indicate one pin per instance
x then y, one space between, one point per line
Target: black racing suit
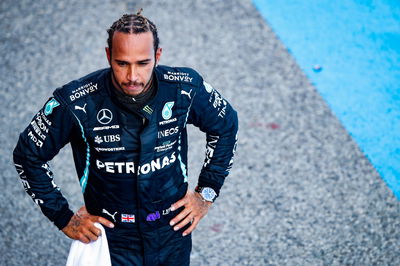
131 165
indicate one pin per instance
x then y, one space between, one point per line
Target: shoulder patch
83 87
208 87
50 105
83 91
178 76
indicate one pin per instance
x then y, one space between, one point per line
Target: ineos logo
104 116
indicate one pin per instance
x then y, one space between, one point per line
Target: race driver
127 128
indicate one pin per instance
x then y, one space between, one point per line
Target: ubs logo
104 116
107 138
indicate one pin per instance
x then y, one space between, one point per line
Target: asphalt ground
300 192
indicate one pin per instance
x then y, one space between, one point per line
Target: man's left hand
195 208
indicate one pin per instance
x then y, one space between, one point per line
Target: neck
133 102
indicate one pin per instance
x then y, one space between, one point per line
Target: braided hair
133 24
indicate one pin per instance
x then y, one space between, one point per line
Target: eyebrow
141 61
144 61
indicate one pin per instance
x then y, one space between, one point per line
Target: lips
133 88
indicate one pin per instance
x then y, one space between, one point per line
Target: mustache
132 84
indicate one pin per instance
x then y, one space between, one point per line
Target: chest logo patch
167 110
104 116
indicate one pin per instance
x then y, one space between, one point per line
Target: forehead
135 46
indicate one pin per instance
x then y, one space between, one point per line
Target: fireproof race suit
131 165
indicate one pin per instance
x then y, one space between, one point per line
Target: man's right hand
81 226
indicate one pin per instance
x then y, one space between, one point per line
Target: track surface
300 193
357 44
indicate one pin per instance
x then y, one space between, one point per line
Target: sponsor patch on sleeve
51 104
217 101
208 87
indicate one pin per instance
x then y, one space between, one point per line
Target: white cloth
95 253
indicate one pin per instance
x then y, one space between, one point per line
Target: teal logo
50 106
167 110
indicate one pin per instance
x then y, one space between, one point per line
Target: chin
133 93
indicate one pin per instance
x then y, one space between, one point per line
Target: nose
132 74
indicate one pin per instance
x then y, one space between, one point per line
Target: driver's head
133 52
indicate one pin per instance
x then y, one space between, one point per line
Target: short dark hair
134 24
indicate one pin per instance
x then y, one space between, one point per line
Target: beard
120 86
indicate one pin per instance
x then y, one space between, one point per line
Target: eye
120 63
143 63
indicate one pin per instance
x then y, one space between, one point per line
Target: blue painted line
357 44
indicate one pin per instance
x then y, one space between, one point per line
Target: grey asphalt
300 193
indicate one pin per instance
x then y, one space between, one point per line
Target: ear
158 55
108 52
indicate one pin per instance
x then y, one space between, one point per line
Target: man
127 129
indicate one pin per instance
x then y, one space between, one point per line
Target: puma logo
112 215
187 93
81 108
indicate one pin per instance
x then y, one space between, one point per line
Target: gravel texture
300 192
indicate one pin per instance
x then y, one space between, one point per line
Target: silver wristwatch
207 193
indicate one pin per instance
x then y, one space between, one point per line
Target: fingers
87 235
92 235
95 230
180 203
104 222
83 238
194 210
89 231
82 226
188 219
195 222
179 217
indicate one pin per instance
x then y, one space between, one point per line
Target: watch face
208 194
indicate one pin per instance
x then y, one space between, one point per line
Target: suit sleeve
216 117
46 134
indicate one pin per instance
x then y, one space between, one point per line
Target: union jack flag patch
127 218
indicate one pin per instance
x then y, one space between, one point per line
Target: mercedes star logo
104 116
